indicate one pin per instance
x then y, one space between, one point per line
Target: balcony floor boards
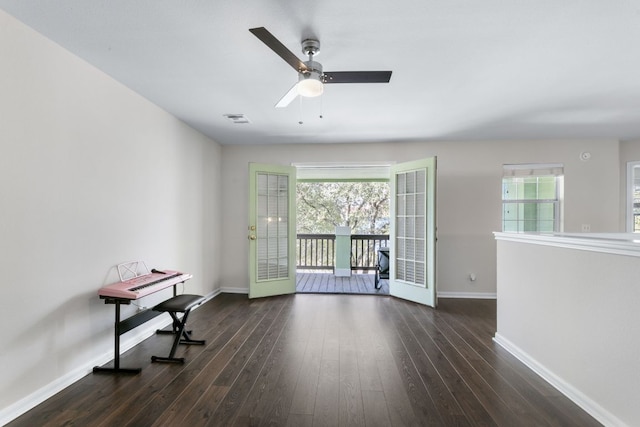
328 283
314 360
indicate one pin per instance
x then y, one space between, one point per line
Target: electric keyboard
141 286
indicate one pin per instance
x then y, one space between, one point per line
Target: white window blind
411 227
272 226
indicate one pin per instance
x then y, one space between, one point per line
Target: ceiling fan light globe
310 87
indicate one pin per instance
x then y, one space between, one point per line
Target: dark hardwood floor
321 360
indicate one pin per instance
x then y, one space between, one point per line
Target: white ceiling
462 69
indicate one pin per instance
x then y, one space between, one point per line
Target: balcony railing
317 251
364 250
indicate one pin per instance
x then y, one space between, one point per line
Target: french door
412 274
272 230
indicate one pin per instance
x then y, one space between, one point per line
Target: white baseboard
212 295
469 295
134 337
589 405
234 290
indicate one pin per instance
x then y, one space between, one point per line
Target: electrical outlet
586 228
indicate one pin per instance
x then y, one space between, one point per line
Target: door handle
252 237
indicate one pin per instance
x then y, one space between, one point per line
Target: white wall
629 152
91 175
469 196
572 315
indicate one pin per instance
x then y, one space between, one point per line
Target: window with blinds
633 197
531 198
411 227
272 226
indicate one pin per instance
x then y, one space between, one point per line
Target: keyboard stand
124 292
121 327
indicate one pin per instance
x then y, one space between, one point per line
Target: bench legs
181 337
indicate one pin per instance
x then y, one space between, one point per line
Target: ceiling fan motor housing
310 47
312 67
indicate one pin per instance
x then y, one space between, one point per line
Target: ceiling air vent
237 118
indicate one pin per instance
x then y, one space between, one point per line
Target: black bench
178 304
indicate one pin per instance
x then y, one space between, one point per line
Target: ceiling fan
311 77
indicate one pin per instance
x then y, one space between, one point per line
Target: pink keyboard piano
123 292
141 286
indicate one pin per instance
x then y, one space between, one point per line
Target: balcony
315 255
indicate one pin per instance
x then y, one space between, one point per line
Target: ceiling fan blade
357 76
288 97
281 50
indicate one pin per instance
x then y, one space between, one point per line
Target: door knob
252 237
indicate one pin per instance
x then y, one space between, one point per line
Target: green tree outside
363 206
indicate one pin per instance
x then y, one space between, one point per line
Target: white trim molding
579 398
611 243
234 290
467 295
342 170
